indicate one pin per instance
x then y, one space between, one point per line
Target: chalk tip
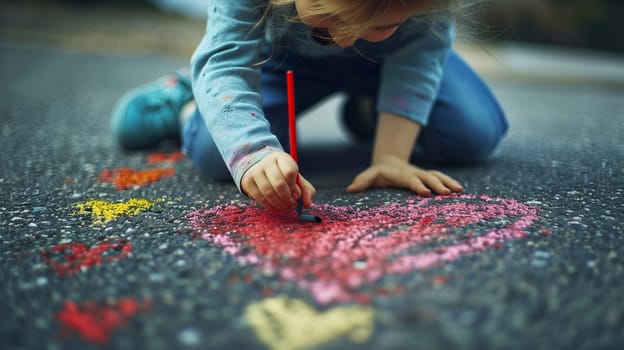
310 218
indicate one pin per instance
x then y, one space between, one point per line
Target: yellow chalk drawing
103 211
291 324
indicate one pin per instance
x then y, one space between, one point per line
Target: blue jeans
465 125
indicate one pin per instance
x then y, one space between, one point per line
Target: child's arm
411 76
390 165
226 69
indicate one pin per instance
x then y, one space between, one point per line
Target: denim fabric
464 126
234 89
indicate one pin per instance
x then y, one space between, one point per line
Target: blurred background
595 24
576 41
592 24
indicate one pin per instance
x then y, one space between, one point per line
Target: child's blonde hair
355 16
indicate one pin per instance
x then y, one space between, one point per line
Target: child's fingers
434 183
268 195
415 184
441 183
307 192
279 189
289 170
272 183
363 181
449 182
253 192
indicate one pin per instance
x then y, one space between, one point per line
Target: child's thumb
307 192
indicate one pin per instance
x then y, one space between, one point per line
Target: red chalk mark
160 157
70 258
439 280
125 178
96 322
353 247
362 299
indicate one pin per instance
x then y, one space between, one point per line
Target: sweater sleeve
226 83
411 75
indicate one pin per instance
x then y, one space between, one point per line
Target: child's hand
391 171
272 183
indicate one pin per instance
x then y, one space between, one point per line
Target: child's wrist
244 163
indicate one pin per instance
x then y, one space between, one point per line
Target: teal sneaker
148 115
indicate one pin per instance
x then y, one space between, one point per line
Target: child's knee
472 142
201 150
476 147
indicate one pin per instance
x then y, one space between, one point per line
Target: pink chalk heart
356 247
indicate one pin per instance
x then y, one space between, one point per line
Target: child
397 51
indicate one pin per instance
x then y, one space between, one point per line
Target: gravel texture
559 287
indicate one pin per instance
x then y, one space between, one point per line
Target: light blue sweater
226 69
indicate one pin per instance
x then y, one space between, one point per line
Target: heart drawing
355 247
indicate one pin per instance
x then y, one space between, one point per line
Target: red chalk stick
292 133
292 120
292 126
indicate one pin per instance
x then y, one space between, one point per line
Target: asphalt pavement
101 248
